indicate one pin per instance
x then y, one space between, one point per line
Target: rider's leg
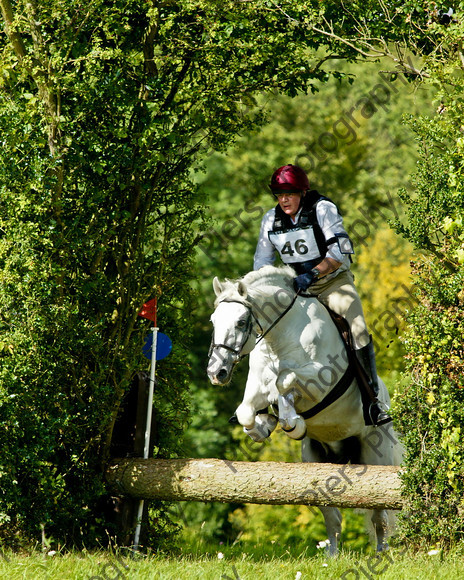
341 296
366 357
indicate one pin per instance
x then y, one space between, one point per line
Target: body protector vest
303 245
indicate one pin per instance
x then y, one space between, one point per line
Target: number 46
300 248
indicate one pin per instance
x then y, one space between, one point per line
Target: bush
430 411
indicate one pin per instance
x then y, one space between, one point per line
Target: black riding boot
376 415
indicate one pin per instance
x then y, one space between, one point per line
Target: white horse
298 365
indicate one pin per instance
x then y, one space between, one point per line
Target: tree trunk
216 480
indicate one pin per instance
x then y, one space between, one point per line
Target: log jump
263 482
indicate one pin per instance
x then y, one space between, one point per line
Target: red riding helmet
289 178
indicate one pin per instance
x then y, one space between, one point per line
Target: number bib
296 245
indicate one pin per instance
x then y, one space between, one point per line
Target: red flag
149 310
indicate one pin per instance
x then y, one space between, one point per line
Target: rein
277 320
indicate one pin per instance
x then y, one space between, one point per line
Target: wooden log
263 482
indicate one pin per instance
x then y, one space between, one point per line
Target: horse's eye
241 323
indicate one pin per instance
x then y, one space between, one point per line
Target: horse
297 362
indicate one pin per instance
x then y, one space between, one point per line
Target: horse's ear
242 289
217 286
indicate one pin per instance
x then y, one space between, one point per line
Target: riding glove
304 281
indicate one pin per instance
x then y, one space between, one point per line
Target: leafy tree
104 110
430 410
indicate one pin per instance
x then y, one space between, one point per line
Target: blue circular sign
163 346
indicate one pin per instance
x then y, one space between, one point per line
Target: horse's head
233 334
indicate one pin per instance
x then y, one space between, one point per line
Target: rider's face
289 202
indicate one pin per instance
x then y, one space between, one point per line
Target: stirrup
382 417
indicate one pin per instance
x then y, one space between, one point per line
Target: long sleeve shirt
330 222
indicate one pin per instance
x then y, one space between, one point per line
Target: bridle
247 332
248 329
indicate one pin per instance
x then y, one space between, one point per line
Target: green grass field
232 563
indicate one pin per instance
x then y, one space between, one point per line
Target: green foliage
435 218
104 110
89 228
430 411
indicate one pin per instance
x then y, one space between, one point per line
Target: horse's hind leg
381 527
380 446
312 451
333 525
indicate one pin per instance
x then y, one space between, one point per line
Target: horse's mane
268 276
257 279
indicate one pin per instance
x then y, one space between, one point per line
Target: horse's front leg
260 391
261 426
256 425
287 413
292 423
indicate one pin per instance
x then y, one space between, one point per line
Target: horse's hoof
382 547
297 432
331 552
263 427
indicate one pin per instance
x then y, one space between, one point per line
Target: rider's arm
327 266
331 223
265 252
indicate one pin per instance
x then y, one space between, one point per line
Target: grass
260 562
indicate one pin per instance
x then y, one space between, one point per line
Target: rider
306 229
